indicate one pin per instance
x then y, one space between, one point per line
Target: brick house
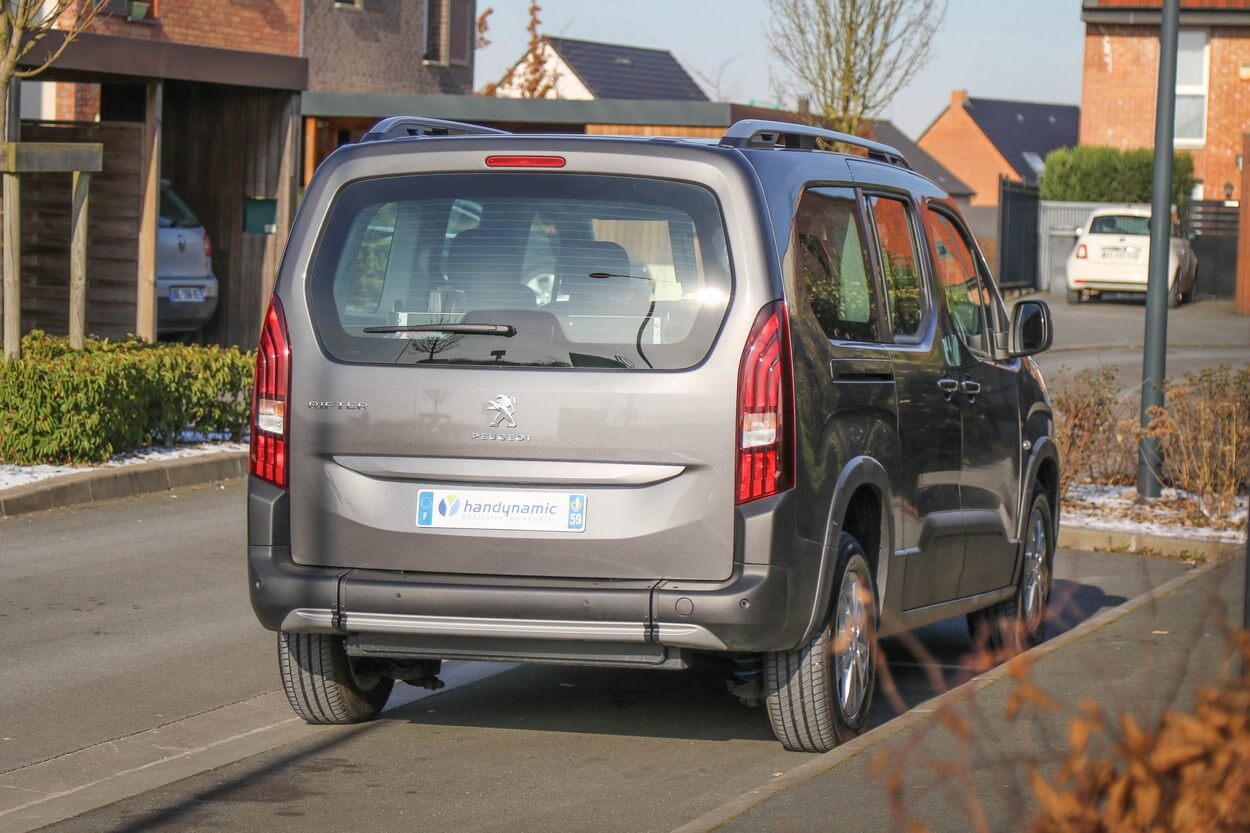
1213 83
203 94
376 55
982 139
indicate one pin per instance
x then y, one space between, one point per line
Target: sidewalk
1141 663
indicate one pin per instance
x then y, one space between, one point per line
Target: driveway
1201 335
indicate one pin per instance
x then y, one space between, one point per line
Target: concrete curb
1091 539
822 764
122 481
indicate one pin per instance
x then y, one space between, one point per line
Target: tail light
271 397
208 245
1082 252
766 408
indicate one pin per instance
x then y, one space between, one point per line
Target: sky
1029 50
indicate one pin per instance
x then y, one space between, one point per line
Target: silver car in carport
186 288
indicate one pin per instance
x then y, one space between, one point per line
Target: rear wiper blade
505 330
603 275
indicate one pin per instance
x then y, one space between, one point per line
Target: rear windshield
174 212
1120 224
571 270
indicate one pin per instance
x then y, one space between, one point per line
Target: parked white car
1112 254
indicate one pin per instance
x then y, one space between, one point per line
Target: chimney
959 98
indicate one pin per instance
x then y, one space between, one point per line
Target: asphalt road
130 615
1204 334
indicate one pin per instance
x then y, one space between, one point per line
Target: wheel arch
860 505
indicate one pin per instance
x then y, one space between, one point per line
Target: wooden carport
223 126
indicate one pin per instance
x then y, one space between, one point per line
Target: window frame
924 273
866 244
1202 90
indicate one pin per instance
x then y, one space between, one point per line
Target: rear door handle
948 387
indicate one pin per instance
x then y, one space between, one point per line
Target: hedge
1103 174
61 406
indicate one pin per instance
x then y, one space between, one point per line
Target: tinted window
830 267
899 264
591 271
967 299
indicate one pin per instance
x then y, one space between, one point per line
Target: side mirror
1031 329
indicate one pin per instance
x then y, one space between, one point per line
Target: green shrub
61 406
1102 174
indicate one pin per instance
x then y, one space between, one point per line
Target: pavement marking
834 758
78 782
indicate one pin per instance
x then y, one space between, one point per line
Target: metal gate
1213 224
1017 234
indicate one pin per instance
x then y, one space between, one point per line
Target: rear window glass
574 270
1120 224
174 212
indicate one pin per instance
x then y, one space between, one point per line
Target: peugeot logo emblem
503 407
182 243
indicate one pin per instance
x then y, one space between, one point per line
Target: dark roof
1017 128
612 71
920 161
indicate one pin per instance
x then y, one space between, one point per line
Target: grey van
621 401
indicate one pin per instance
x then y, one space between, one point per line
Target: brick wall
958 143
376 48
1119 90
252 25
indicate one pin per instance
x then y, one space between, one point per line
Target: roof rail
401 127
758 133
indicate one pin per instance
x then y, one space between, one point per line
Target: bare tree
720 84
24 25
851 57
531 76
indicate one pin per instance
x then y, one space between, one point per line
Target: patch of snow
1115 509
13 476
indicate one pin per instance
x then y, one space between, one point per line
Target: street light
1154 359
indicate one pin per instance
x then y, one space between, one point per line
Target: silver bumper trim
673 634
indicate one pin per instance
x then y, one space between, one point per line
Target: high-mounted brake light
766 408
525 161
1082 252
271 398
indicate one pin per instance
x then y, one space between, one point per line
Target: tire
1018 623
320 684
808 710
1174 293
1075 296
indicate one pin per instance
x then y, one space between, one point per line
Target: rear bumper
761 607
184 317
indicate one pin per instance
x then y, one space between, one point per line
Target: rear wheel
819 695
1019 622
321 684
1075 296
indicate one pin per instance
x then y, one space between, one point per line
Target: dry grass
1204 433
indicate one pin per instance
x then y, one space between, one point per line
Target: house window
449 32
1192 70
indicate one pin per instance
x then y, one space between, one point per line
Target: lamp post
1154 359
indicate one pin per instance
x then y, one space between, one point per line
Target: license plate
1119 254
503 510
186 295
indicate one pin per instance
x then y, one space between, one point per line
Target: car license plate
1119 254
505 510
186 295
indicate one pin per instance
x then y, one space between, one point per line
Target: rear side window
581 270
899 264
831 269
